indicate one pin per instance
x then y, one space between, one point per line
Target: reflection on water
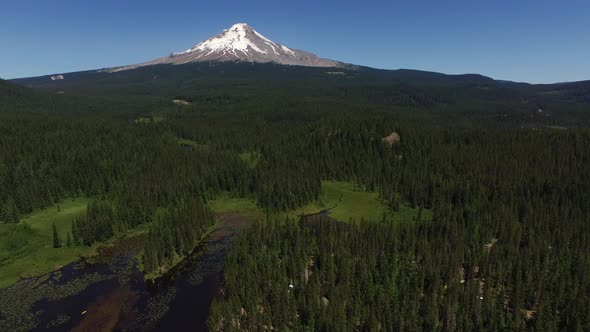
112 294
109 311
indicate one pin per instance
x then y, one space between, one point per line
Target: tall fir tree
56 239
69 240
75 235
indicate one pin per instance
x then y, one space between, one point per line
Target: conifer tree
56 239
5 214
15 218
69 240
75 235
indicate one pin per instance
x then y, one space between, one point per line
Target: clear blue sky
533 41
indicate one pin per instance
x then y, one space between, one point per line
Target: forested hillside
508 186
506 248
471 96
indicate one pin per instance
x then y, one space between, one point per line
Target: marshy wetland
109 292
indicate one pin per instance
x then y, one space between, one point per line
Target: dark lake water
113 295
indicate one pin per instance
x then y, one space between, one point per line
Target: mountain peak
241 42
238 41
240 26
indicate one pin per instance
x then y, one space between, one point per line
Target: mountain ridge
239 43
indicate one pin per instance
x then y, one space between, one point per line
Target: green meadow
26 249
195 145
244 206
344 201
347 203
251 158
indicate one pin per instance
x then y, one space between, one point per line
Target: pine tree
9 212
75 235
4 214
56 240
15 215
69 240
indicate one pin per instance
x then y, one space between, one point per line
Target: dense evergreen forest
507 247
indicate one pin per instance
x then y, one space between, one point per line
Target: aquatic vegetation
155 308
17 303
59 320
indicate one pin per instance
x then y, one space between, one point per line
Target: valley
111 273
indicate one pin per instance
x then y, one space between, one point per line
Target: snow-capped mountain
241 43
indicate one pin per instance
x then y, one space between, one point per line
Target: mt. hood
241 43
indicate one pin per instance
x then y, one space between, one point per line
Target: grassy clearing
195 145
251 158
347 204
26 249
148 120
245 206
